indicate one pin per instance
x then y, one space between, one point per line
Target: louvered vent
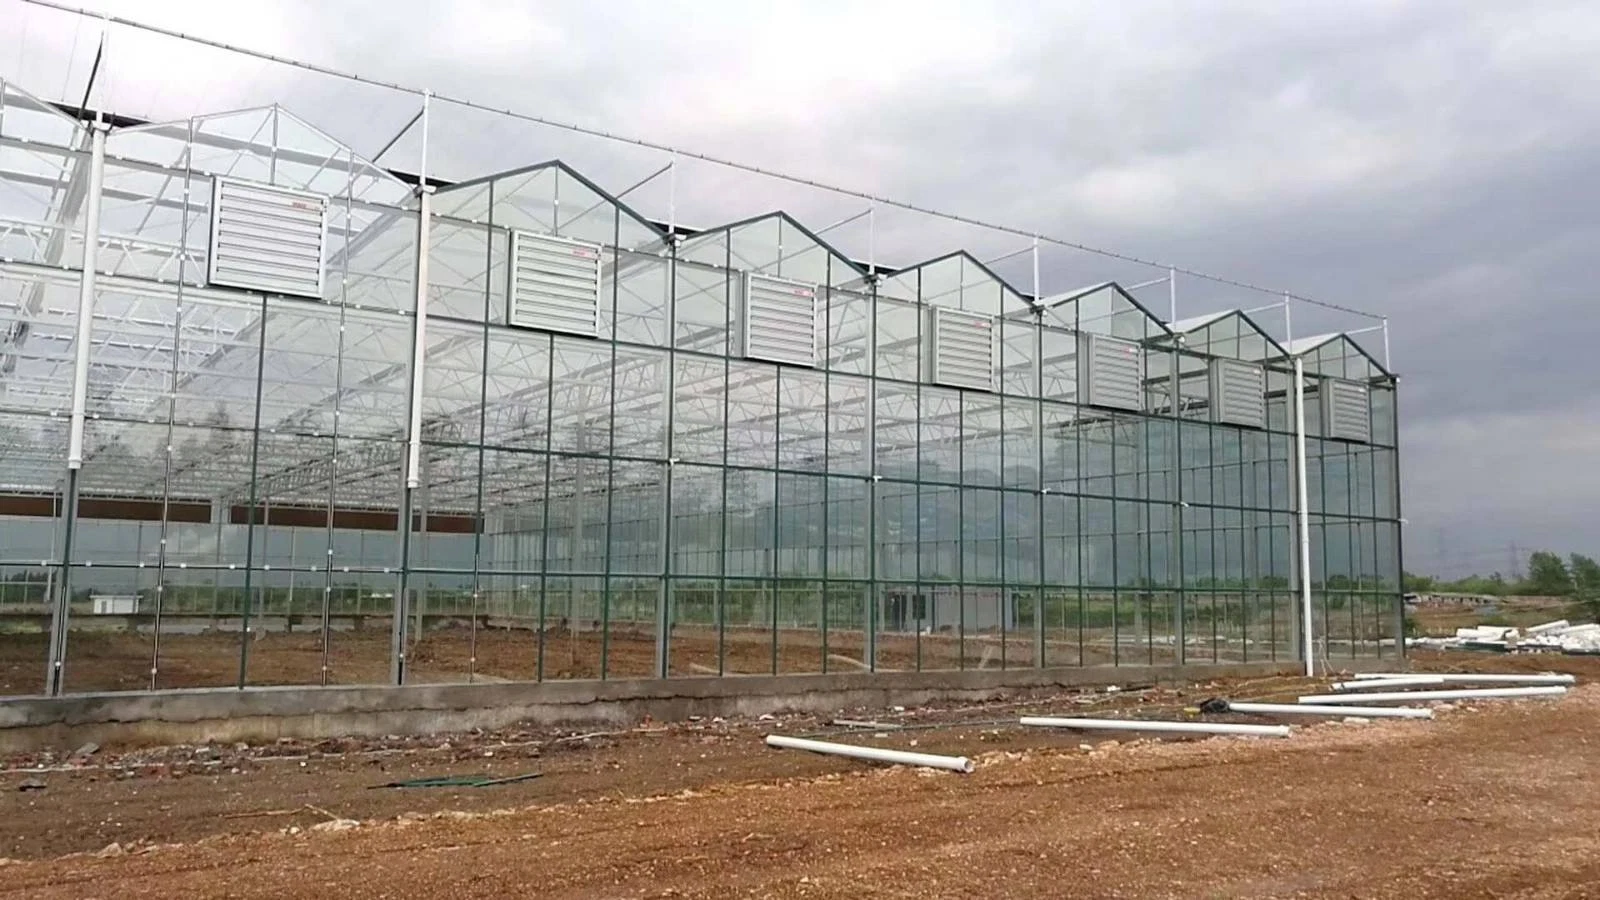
1238 393
266 238
1112 372
962 349
555 284
1346 410
780 320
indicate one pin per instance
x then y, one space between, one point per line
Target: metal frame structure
647 502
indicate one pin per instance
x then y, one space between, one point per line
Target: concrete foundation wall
264 714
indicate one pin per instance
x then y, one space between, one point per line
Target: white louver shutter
780 320
963 349
1238 393
1346 410
266 238
1112 372
555 284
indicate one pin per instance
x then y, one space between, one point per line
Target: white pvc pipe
1417 696
876 754
1150 725
1306 709
1304 506
1379 684
1546 678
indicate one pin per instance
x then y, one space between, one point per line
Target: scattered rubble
1559 636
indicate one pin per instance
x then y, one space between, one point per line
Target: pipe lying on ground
1460 678
867 723
875 754
1379 684
1421 696
1306 709
1151 725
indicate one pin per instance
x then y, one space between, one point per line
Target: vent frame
1105 378
1346 410
220 254
1238 393
951 334
763 304
582 314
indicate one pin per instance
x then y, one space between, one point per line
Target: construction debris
466 781
1559 636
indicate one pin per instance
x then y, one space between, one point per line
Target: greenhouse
272 414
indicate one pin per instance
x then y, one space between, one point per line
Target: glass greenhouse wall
593 446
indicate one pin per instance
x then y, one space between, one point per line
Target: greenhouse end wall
496 478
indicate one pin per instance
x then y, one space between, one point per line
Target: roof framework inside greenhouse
332 399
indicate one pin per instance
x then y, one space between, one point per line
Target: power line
703 157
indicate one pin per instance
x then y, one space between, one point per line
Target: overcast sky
1434 162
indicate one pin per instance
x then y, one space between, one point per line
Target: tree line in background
1577 577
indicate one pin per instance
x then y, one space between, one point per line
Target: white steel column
1304 511
91 242
1172 296
399 638
60 613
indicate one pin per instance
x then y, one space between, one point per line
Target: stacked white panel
1111 372
266 238
1238 393
779 320
555 284
963 349
1346 410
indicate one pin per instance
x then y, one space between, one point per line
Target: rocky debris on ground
1559 636
228 755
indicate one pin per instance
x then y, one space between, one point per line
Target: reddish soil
1489 800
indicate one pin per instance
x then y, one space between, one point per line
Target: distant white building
116 604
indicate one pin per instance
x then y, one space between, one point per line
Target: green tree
1417 584
1548 575
1586 581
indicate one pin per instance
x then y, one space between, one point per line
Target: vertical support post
874 595
664 593
1399 571
1172 296
399 637
672 203
1180 611
1386 364
1038 445
61 611
1304 511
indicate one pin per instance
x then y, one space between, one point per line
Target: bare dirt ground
1495 799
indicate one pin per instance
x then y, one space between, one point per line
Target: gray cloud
1423 160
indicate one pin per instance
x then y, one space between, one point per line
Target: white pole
1366 712
872 239
1035 250
1172 296
1304 512
875 754
1546 678
1381 684
1418 696
419 349
1150 725
91 245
